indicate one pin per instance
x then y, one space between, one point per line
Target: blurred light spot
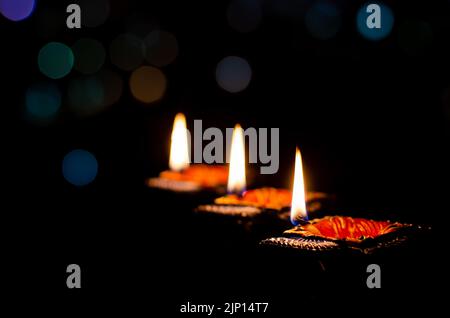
148 84
79 167
42 101
244 15
86 95
112 86
94 12
387 22
55 60
415 37
89 55
233 74
16 10
127 52
323 20
161 48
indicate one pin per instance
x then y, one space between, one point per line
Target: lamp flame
236 176
298 205
179 153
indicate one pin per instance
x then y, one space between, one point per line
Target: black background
369 118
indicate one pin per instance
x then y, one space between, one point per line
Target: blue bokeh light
375 34
233 74
79 167
17 10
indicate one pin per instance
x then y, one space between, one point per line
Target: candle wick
300 222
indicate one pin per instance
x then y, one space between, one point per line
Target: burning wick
179 151
236 176
298 205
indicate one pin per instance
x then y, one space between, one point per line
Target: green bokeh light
55 60
89 56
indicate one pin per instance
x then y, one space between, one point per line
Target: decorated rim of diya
194 178
344 232
256 201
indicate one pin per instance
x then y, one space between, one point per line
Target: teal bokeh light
55 60
386 25
42 101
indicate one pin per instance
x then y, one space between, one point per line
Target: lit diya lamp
243 203
335 232
182 176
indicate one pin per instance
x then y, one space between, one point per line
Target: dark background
371 121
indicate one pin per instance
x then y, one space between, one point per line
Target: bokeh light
323 20
16 10
414 37
85 95
55 60
89 55
89 95
94 12
233 74
127 52
148 84
79 167
161 48
374 34
112 86
42 101
244 15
